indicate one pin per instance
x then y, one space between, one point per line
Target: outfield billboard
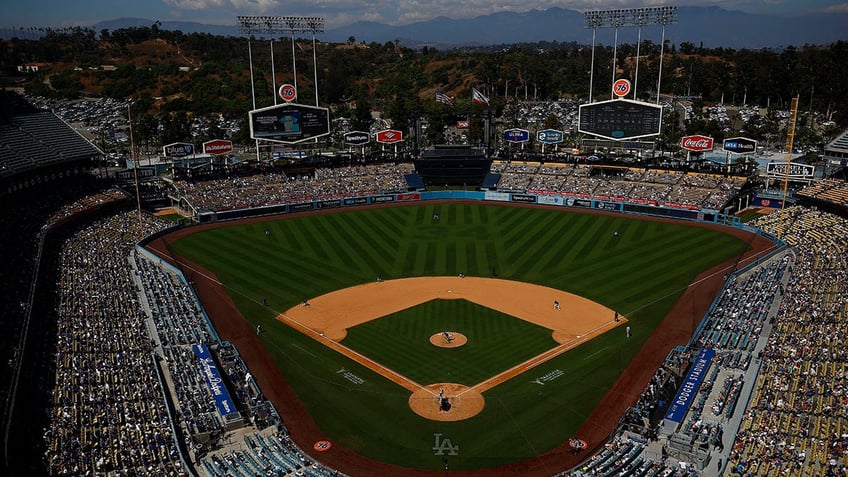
178 149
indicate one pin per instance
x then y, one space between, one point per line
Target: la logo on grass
444 445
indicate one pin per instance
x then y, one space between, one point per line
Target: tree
361 118
552 122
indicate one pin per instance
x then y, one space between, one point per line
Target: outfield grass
639 272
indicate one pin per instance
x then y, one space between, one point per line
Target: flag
478 97
443 98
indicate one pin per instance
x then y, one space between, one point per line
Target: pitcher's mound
463 402
448 339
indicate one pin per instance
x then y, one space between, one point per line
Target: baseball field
354 307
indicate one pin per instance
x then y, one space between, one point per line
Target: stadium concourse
117 385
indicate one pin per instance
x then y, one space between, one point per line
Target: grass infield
640 271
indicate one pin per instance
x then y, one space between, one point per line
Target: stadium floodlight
254 24
630 17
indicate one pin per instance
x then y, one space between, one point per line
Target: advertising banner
608 205
574 202
696 143
496 196
357 138
408 197
740 145
214 382
689 388
550 199
329 204
549 136
530 199
356 201
795 171
178 149
517 135
389 136
300 207
217 146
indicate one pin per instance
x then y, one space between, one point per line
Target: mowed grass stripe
529 242
296 262
514 222
581 235
653 263
547 246
384 225
369 252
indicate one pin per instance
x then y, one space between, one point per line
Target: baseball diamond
328 317
572 260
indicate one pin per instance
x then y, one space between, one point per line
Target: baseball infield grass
640 271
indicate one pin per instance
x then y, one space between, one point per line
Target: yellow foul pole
790 142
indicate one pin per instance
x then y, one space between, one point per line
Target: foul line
537 360
369 363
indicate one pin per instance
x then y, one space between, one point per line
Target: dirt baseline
572 320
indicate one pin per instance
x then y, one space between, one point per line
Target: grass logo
440 446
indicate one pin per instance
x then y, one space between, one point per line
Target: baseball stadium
457 312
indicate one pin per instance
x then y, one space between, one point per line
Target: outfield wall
612 204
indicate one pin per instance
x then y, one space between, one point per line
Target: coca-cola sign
697 143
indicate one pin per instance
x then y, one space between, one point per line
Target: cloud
401 12
249 6
838 8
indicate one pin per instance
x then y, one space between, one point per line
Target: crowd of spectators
26 216
113 341
107 408
277 187
654 186
797 421
625 455
830 190
178 322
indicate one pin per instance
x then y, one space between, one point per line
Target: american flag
443 98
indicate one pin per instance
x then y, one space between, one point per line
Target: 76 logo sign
621 87
288 92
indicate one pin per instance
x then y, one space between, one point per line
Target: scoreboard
620 119
289 123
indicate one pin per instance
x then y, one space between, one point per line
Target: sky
336 13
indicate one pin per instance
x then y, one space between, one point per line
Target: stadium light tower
629 17
251 24
271 25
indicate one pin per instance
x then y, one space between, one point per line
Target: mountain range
707 26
